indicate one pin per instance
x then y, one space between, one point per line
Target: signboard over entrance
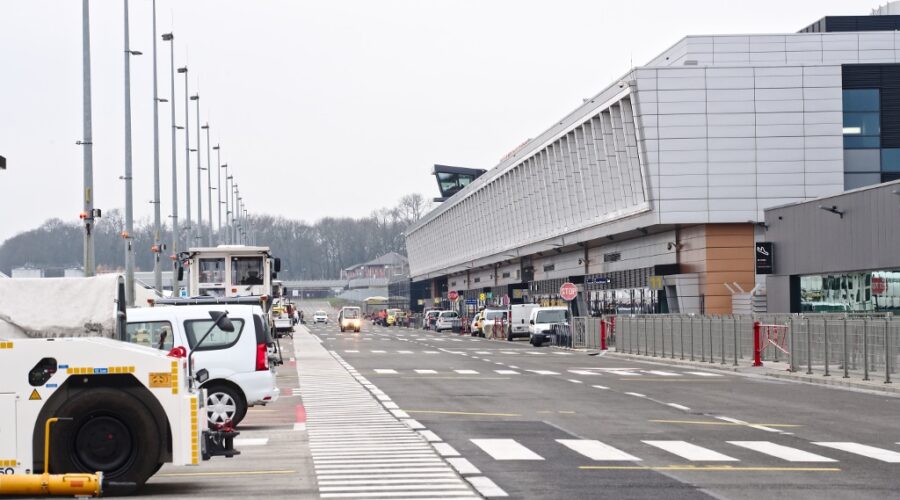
568 291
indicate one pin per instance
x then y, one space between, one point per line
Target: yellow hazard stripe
8 463
89 370
195 433
6 345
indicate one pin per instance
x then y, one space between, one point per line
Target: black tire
357 330
220 394
111 431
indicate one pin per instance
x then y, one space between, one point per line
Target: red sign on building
453 295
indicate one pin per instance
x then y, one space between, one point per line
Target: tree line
307 251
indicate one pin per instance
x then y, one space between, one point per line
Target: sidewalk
777 370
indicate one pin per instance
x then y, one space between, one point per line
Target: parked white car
429 317
240 372
490 317
540 325
320 317
446 320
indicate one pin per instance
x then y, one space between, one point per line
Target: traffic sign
482 296
878 285
568 291
471 302
656 282
453 295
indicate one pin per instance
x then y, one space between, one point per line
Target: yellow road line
465 413
228 473
704 422
709 468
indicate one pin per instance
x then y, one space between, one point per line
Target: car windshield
450 314
494 315
551 316
320 313
351 313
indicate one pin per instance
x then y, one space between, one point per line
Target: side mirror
531 322
277 265
202 375
222 321
180 273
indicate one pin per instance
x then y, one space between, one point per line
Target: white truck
520 314
542 319
118 411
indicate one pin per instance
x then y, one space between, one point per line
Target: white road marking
429 436
482 352
466 372
385 371
238 442
595 450
678 406
891 457
535 353
507 372
602 387
562 353
636 394
486 487
399 413
300 426
664 374
782 452
426 372
432 352
505 449
445 450
378 352
514 367
543 372
463 466
755 426
624 373
412 424
705 374
691 452
575 381
351 351
583 372
404 352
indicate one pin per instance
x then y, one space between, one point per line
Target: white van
520 315
240 372
350 318
446 320
542 319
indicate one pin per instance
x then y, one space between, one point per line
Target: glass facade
864 159
871 291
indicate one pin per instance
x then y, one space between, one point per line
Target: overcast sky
323 107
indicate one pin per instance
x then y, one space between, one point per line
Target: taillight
262 357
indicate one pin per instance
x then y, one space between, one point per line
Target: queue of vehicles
518 320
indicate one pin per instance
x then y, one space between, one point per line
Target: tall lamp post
225 237
189 229
129 201
208 186
218 190
199 237
169 37
157 229
86 141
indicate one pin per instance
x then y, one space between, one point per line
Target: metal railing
863 346
588 333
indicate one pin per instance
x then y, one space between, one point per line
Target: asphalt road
548 423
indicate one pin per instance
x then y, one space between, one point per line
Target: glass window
212 270
217 339
866 124
861 100
853 181
247 271
861 141
156 334
862 160
552 316
875 291
890 160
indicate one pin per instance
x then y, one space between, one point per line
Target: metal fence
586 332
864 346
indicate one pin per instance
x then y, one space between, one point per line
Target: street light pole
169 37
87 139
189 227
157 229
129 202
218 191
208 186
196 98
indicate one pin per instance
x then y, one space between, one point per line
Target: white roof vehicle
320 316
240 375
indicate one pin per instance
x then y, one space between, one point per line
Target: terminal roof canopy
452 179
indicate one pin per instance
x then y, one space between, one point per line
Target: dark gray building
838 253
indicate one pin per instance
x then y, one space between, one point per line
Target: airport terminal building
651 195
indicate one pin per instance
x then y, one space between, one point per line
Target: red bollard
602 334
757 347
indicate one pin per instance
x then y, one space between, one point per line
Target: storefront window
876 291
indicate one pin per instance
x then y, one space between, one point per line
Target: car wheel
222 404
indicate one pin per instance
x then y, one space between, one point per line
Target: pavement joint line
705 422
228 473
479 414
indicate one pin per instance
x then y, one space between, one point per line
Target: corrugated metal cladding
809 240
887 78
590 174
